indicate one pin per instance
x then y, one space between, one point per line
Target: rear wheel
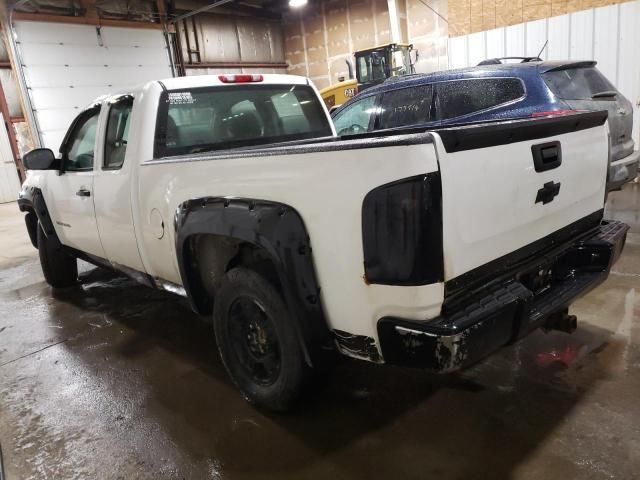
59 268
257 340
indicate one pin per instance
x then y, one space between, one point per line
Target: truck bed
489 202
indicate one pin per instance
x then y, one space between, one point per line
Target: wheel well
210 256
214 234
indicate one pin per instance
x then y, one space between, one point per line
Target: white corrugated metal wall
67 66
9 182
610 35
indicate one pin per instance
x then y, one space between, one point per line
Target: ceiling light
297 3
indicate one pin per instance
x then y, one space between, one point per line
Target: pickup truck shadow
367 421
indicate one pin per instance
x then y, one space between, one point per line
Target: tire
257 341
59 268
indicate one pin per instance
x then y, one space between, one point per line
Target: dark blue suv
496 91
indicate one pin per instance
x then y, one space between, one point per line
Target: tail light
547 113
241 78
402 232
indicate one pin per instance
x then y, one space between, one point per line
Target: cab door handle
83 192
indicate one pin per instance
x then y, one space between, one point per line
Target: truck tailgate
507 185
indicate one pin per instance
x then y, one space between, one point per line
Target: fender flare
31 200
279 231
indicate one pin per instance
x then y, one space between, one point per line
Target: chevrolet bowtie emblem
548 192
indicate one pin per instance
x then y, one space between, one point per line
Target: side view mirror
40 159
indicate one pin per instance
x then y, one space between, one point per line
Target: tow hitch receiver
561 321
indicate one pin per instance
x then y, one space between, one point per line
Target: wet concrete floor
114 380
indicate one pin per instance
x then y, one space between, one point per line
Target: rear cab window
577 83
372 68
221 117
464 97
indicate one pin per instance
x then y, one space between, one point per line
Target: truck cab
88 187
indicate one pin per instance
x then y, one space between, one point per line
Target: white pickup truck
423 248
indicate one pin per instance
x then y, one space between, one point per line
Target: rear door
70 195
586 88
113 192
405 107
499 195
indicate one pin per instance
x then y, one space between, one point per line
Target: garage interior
116 380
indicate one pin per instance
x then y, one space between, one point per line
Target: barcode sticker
181 98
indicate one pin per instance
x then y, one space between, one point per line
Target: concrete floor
114 380
15 246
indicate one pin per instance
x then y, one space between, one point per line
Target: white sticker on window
181 98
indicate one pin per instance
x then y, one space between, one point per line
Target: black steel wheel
258 341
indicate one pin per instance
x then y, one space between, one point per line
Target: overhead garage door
9 183
66 67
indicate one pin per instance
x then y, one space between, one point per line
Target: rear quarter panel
327 189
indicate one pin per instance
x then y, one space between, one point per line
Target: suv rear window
577 83
462 97
212 118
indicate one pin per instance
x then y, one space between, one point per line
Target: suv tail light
242 78
547 113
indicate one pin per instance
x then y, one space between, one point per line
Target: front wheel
59 268
257 341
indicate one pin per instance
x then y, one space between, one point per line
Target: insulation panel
469 16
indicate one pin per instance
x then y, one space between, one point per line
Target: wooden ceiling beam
96 21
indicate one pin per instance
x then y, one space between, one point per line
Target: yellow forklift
373 66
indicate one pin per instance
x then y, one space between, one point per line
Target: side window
356 117
286 104
118 125
462 97
406 106
290 112
81 143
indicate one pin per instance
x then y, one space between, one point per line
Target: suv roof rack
401 77
498 61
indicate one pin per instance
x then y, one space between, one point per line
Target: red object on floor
566 356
